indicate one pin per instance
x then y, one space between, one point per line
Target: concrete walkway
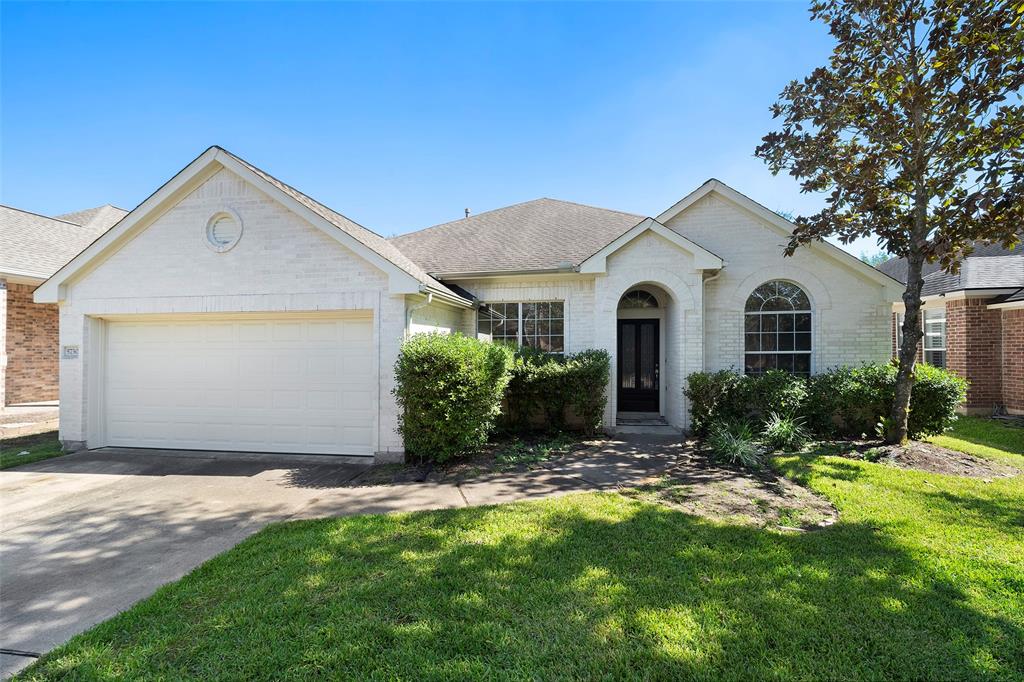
27 419
85 536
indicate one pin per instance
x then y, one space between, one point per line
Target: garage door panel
275 385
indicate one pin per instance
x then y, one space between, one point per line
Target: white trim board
702 258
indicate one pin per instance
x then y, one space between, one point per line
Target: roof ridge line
299 191
470 217
597 208
518 203
40 215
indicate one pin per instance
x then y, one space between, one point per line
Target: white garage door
264 385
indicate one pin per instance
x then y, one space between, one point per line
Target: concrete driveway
85 536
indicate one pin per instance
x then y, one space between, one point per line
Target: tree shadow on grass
585 586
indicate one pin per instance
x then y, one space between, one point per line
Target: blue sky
401 115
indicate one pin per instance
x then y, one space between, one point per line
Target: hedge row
450 389
845 401
544 390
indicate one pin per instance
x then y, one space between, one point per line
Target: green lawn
921 578
986 438
38 447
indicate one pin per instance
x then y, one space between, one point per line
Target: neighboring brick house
33 247
974 324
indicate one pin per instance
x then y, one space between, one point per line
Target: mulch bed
931 458
734 495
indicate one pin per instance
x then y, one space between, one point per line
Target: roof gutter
431 292
12 273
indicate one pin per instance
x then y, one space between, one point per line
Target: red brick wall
32 347
974 350
895 324
1013 360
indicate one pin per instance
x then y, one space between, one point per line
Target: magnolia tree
915 130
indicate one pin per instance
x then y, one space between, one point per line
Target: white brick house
229 311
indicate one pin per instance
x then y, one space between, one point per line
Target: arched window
777 329
638 299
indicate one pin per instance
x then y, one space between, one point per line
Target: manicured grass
39 447
921 578
986 438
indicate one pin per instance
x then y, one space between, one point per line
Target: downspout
409 311
704 315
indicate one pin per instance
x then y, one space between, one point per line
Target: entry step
644 422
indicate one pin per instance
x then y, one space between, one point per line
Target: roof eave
481 274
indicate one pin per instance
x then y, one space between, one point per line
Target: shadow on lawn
585 587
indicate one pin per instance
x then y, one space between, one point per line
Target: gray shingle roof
38 246
992 272
99 218
367 238
542 234
897 267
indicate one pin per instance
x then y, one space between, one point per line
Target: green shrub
535 392
937 393
733 442
543 387
713 396
782 432
773 391
852 401
849 401
844 401
586 386
449 390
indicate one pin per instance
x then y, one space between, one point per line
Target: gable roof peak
404 275
366 237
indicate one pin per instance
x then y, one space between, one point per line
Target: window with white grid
539 324
777 329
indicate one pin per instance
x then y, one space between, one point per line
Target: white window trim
943 335
519 327
901 317
812 353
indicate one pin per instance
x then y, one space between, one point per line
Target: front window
539 325
638 299
777 329
935 337
899 332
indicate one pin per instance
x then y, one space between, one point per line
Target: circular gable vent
223 230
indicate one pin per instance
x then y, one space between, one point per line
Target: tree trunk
896 428
896 431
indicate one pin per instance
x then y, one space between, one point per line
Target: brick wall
32 347
1013 360
894 335
974 350
851 313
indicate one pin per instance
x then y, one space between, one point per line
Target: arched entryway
640 350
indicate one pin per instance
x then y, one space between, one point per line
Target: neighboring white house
230 311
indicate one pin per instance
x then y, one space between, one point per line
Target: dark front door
638 366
